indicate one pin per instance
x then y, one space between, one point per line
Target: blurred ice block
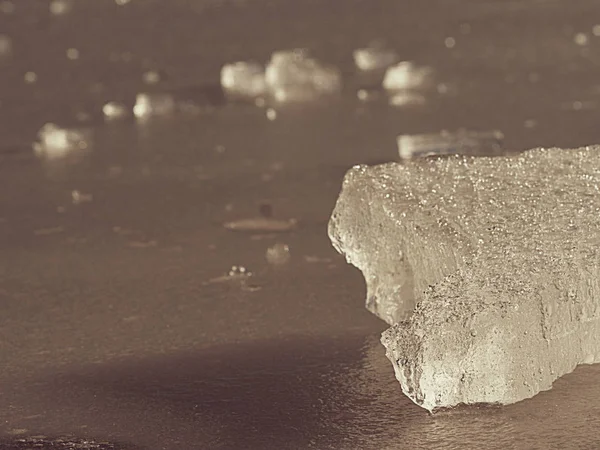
462 142
243 79
5 45
153 104
407 75
115 110
293 75
374 57
56 142
407 98
60 7
153 76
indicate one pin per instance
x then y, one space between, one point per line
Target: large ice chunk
488 268
293 75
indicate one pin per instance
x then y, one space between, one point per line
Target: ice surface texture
488 269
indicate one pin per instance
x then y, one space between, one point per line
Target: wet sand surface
111 328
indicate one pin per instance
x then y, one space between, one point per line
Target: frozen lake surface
118 321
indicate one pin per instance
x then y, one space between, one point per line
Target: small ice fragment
72 54
450 42
278 254
596 30
56 142
115 110
122 2
271 114
294 76
462 142
581 39
153 104
30 77
152 77
406 75
5 45
243 79
60 7
79 197
374 57
530 123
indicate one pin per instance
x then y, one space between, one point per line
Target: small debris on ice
142 244
78 197
243 80
262 224
278 254
236 273
153 104
48 231
374 57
